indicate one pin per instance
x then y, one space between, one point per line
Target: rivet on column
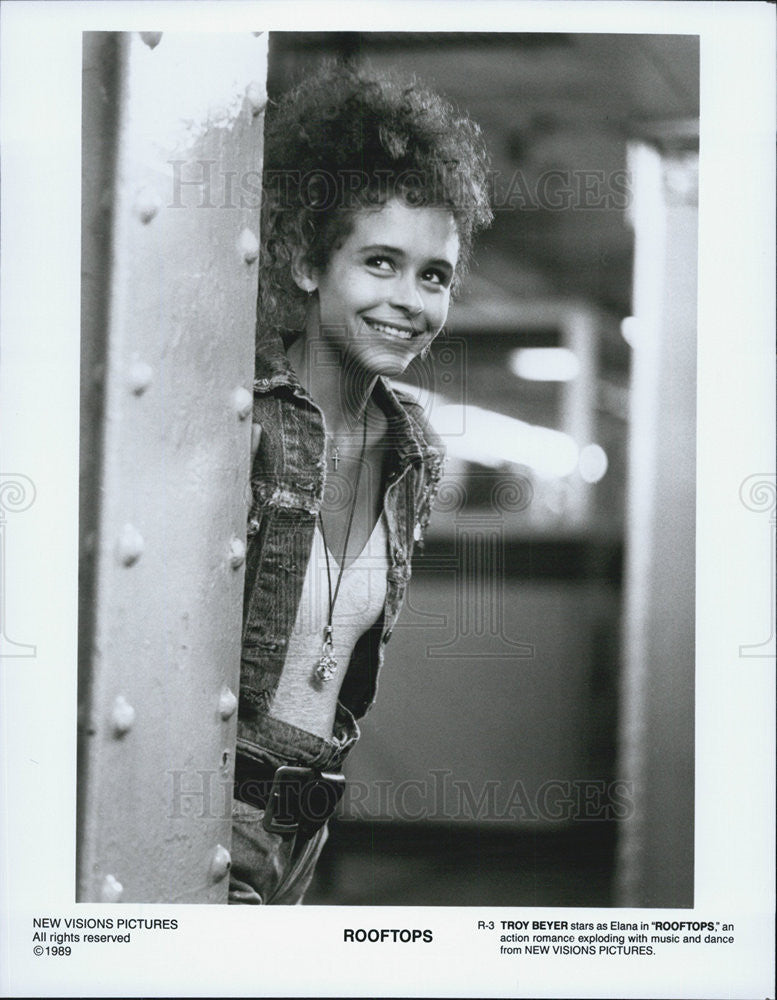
227 703
151 38
257 97
122 716
146 205
130 545
248 245
237 552
111 890
140 377
220 863
242 401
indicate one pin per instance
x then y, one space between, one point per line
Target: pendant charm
327 665
326 668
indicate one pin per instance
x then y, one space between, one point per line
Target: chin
388 363
393 365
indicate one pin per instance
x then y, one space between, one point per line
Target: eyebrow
397 252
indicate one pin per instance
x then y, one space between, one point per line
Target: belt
295 800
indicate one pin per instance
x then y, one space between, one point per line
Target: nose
406 295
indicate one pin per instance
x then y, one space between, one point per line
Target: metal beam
172 168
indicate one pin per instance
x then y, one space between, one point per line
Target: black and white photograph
403 494
453 405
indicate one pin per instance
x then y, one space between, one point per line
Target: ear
305 277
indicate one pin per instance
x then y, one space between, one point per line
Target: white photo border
241 951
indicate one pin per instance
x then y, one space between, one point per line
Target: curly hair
346 139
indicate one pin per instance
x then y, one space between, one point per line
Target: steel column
172 166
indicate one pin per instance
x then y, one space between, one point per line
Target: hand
256 434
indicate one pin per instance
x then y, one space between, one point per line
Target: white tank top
301 699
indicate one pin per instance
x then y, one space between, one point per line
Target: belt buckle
301 798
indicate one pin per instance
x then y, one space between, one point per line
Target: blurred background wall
533 739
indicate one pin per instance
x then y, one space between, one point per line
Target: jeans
267 868
263 869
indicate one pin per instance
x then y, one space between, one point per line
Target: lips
392 329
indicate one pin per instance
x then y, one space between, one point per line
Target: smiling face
384 294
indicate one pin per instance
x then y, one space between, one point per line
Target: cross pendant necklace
334 451
327 664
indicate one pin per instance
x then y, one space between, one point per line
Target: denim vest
287 486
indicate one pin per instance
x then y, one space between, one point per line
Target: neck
342 391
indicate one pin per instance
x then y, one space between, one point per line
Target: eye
436 277
380 263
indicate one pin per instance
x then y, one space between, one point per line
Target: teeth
392 331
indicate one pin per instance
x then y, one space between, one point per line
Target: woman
372 192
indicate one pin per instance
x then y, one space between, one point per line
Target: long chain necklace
327 664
